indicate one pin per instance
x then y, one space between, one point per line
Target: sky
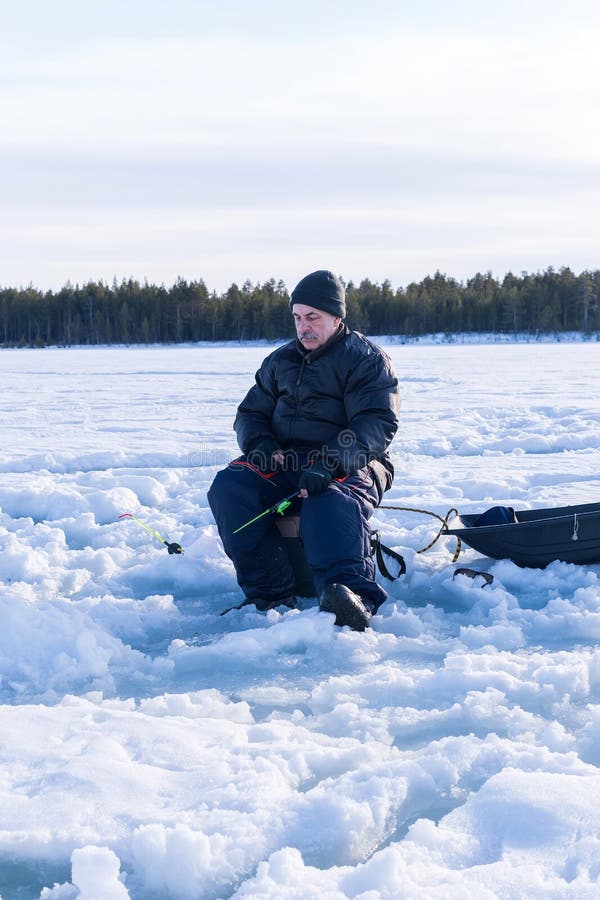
261 140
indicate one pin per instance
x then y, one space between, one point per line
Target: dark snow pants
333 528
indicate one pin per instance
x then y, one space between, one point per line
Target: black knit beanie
323 291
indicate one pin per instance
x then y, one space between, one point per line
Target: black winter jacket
340 400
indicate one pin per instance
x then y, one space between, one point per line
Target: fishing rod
172 546
278 508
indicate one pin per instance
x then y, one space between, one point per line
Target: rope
474 573
378 549
443 519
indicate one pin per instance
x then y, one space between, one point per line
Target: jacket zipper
296 398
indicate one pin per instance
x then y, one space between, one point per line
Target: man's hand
315 480
266 455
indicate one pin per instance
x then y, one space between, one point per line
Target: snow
151 748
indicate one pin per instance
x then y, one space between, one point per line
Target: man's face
313 326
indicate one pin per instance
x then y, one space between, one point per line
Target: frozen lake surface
151 748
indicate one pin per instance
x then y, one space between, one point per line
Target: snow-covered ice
150 748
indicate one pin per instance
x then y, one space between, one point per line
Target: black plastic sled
533 537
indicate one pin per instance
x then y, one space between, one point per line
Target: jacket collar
309 355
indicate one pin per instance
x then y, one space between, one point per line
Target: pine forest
130 312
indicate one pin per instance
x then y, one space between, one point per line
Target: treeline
131 312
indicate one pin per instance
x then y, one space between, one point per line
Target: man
317 422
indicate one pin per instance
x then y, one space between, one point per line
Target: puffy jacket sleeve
253 421
372 405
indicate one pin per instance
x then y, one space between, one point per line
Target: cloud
457 235
181 96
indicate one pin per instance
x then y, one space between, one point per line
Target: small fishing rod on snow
172 546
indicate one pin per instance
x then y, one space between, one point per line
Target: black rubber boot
264 605
348 608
